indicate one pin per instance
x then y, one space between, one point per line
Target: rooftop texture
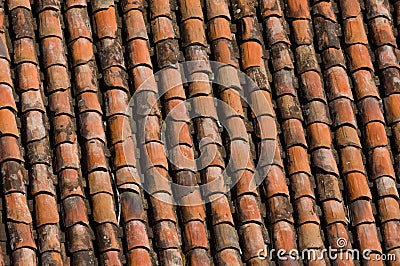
311 89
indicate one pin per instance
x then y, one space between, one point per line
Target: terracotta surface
291 140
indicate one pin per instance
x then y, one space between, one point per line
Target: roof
199 132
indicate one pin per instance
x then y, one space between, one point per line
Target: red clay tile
282 58
10 149
135 240
375 135
162 29
70 183
367 234
382 32
354 31
91 127
350 8
391 230
60 103
46 210
389 209
74 211
28 77
139 256
111 56
357 55
105 23
249 29
327 33
51 244
201 87
386 57
289 108
48 4
298 9
21 236
301 185
227 78
338 85
50 24
342 112
68 156
297 160
309 239
228 256
160 9
171 239
275 31
17 208
281 210
302 32
24 51
42 179
9 124
54 54
190 10
284 236
270 8
94 152
358 186
85 78
121 156
312 86
88 102
390 78
5 75
168 52
382 163
347 136
39 152
251 246
377 8
392 110
325 10
219 28
323 159
82 51
116 77
32 101
371 110
13 176
101 5
20 3
218 8
103 208
306 59
333 57
81 238
194 33
136 53
363 213
227 237
57 79
76 19
318 113
334 212
364 84
22 19
307 211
